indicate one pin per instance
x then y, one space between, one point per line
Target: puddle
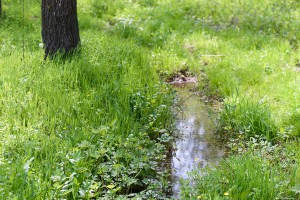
197 143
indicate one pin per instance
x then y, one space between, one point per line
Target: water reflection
197 144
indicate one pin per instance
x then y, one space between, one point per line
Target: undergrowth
73 129
80 128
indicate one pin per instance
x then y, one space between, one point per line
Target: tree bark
60 30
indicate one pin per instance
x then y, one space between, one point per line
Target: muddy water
197 143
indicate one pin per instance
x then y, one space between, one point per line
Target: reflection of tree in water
197 144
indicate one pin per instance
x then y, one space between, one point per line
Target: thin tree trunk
60 30
0 8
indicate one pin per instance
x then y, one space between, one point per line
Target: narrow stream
197 143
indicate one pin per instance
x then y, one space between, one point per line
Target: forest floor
99 124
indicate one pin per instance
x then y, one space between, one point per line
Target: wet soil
182 77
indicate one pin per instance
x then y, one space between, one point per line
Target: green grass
247 118
257 174
80 128
71 127
89 126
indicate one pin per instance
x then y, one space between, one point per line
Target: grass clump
292 125
244 116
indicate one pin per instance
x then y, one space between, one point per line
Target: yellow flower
226 194
199 197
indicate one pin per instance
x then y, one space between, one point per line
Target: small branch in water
208 55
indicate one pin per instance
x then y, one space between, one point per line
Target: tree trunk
0 8
60 30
